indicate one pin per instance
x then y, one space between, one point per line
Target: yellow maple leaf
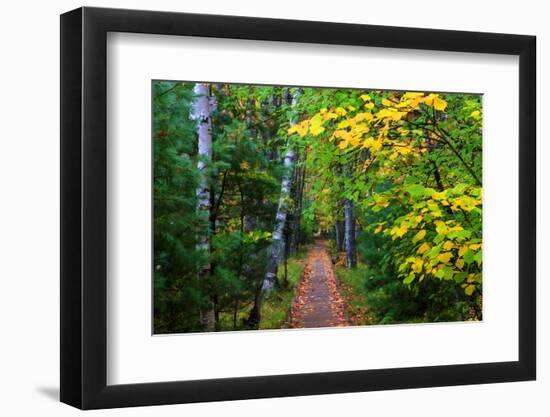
377 145
340 111
475 114
300 128
354 141
408 95
469 290
316 129
343 144
329 115
445 257
429 100
448 245
417 265
423 248
439 104
419 236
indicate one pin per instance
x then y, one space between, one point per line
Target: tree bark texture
201 113
277 244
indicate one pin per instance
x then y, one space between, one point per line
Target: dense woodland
248 178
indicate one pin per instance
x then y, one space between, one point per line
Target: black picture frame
84 207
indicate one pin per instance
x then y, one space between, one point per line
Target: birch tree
277 244
201 113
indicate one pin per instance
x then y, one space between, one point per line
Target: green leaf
445 273
469 257
415 190
408 279
460 277
478 257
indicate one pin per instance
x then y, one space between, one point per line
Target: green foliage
277 305
177 291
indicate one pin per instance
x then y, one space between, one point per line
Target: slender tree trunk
351 252
277 243
201 113
338 236
297 217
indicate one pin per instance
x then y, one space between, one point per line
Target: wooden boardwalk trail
318 302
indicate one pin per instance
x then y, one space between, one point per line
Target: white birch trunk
201 111
277 244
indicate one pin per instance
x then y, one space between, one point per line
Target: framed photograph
256 208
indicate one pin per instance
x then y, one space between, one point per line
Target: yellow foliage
429 101
439 104
445 257
423 248
448 245
377 145
412 95
399 231
300 128
417 265
469 289
390 113
316 129
340 111
419 236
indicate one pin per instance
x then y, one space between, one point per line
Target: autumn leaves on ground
318 302
288 207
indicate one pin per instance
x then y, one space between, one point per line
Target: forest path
318 302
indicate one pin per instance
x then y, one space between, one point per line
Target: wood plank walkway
318 302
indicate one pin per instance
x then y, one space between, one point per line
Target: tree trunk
351 252
277 243
201 113
339 236
297 217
